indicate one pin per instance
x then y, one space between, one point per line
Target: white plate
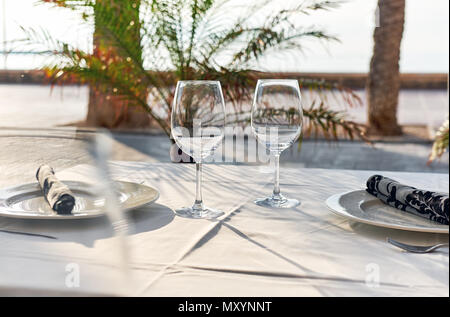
27 201
361 206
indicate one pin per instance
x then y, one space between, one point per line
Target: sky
425 44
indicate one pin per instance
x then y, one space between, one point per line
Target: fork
417 248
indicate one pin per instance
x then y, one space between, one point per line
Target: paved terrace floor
388 156
35 106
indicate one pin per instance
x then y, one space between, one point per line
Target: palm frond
188 39
332 124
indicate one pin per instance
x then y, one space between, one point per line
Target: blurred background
374 74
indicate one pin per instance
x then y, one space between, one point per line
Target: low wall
351 80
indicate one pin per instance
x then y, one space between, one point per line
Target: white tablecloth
251 251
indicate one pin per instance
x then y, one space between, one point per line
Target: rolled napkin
423 203
57 194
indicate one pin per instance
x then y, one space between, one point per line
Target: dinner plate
27 201
360 206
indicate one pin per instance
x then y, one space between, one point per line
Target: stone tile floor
388 156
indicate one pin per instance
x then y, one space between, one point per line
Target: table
250 251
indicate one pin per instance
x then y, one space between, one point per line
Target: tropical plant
440 145
196 40
384 78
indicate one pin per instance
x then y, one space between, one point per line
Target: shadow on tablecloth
87 231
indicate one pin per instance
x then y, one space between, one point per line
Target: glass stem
198 205
276 188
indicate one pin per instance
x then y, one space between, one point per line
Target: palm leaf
187 39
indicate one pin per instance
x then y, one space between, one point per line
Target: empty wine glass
198 122
276 121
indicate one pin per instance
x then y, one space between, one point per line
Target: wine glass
276 121
198 122
100 149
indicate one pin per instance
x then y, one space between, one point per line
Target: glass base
205 213
278 201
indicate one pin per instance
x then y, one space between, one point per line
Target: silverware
28 234
417 248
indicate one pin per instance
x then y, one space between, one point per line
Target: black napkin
431 205
57 194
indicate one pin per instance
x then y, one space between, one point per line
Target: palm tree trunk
384 78
106 108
